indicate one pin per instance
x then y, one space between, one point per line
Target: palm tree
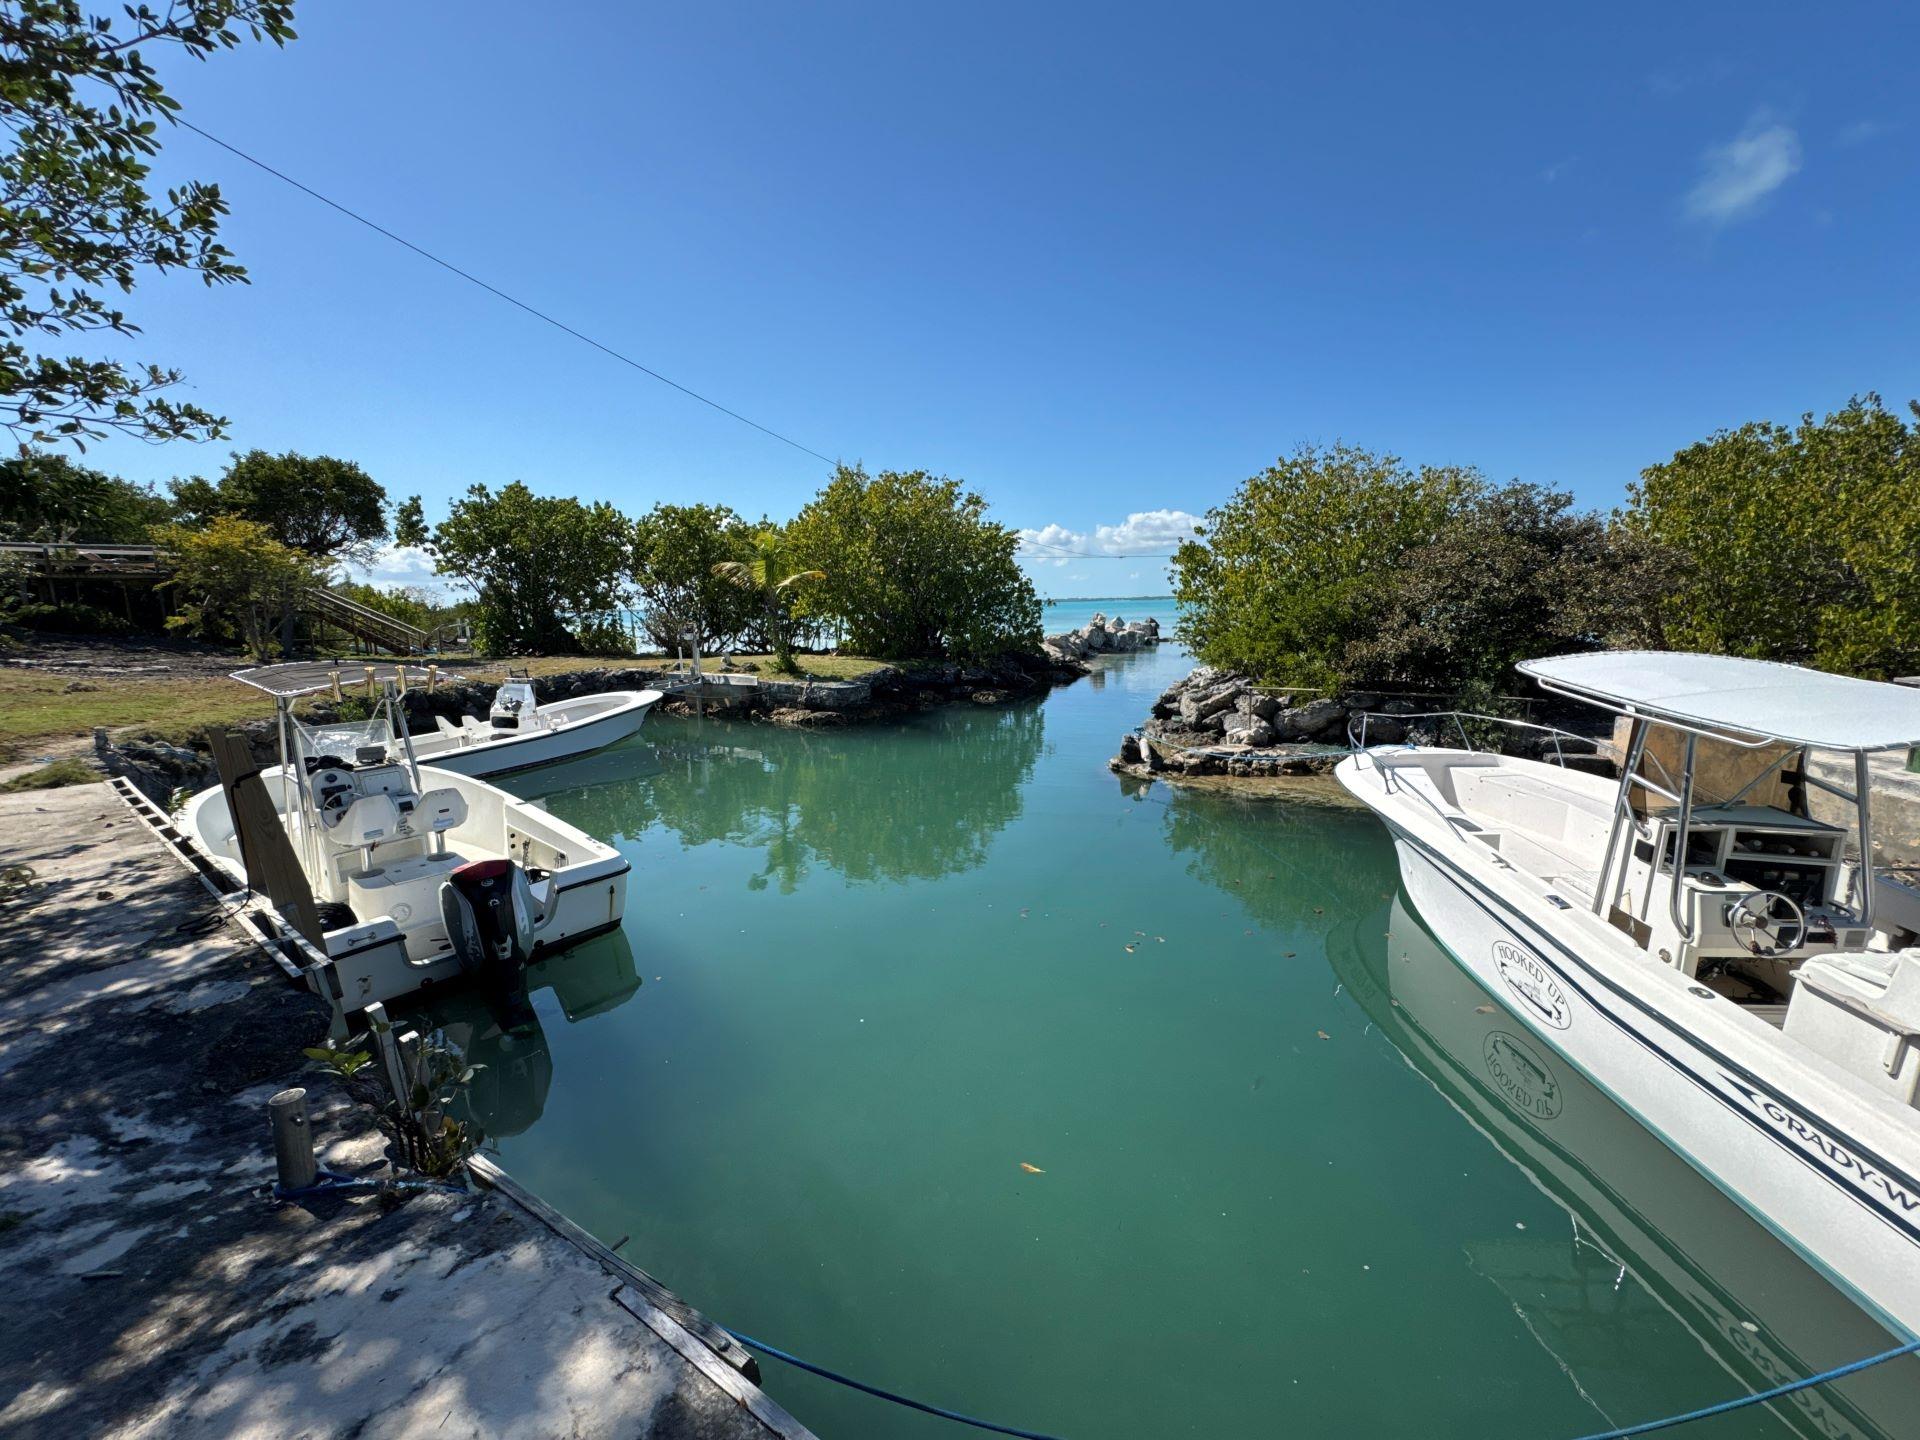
761 572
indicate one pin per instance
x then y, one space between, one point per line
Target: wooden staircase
365 623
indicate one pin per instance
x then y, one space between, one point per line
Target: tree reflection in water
1304 864
860 802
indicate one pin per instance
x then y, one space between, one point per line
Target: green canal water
1297 1177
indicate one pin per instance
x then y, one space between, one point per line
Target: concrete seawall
154 1287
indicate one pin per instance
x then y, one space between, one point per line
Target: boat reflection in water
513 1067
1643 1224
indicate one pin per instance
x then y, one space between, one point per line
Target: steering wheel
1767 923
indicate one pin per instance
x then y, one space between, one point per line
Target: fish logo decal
1527 976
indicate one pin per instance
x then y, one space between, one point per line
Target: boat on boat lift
518 732
1730 968
403 875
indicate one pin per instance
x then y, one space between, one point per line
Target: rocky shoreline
1218 723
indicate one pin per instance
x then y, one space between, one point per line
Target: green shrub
913 569
1802 543
1342 568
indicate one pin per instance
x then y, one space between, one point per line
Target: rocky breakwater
1101 636
895 691
1215 722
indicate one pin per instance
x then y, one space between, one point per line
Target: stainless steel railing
1357 738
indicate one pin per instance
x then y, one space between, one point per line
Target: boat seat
369 820
1555 815
446 726
475 727
440 810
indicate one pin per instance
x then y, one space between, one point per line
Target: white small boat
414 874
518 732
1726 966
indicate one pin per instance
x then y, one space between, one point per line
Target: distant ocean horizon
1072 613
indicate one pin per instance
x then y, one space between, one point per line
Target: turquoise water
1295 1181
1060 615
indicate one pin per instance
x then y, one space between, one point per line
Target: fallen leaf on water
1290 954
1129 949
1483 1010
1160 939
1323 1034
1318 910
1031 1169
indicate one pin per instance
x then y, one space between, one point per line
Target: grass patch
52 777
38 707
807 667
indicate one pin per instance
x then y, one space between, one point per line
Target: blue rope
837 1378
1647 1427
332 1182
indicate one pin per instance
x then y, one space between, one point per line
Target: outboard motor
488 908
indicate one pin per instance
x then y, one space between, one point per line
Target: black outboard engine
489 912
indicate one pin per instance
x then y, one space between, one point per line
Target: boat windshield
341 739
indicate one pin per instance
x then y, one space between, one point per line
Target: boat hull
1852 1215
522 751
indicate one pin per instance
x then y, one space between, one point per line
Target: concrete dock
152 1284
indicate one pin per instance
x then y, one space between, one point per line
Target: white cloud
1861 131
1738 176
1154 532
1558 168
399 565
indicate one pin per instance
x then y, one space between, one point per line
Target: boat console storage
513 704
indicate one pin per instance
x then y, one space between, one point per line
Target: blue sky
1102 261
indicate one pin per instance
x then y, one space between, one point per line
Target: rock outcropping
1101 636
1216 722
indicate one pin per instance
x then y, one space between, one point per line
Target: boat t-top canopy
310 677
1731 697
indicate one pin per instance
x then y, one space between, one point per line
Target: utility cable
496 291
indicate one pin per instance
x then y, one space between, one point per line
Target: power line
1062 551
495 290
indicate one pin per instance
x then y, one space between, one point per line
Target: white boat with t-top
413 874
1716 956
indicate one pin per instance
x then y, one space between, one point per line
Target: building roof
1729 695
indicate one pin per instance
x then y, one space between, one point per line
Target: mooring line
1645 1427
849 1381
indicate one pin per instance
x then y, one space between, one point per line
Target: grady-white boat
519 731
1727 966
414 874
